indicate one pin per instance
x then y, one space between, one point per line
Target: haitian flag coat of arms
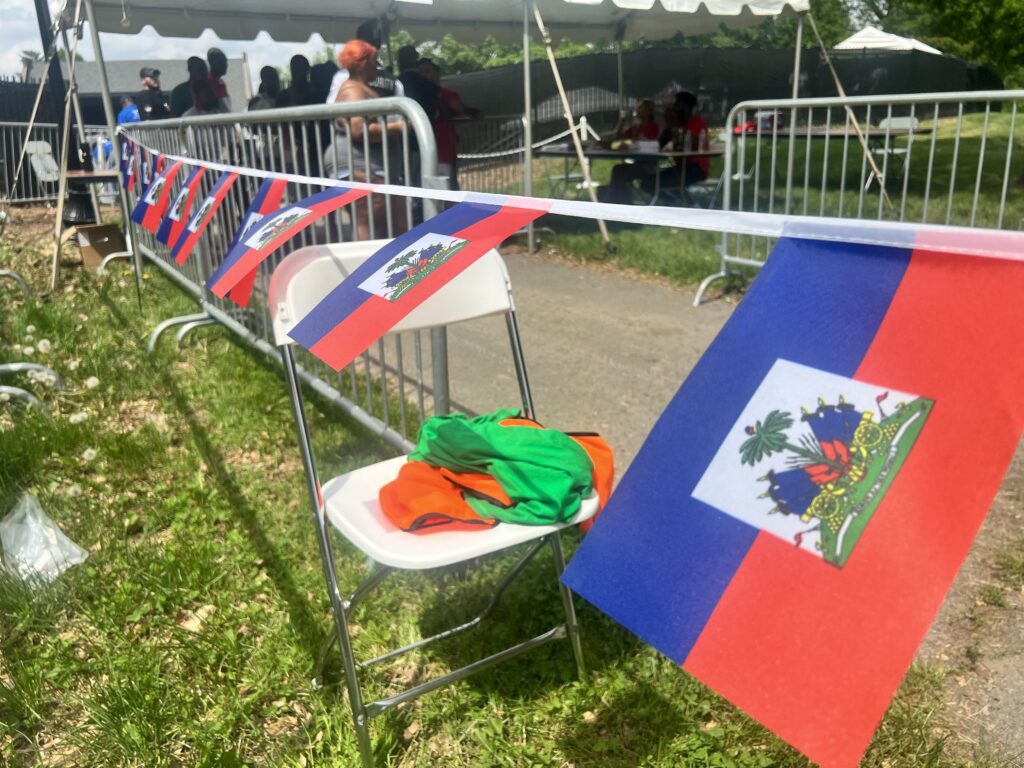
790 526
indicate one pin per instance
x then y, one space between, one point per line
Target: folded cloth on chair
496 467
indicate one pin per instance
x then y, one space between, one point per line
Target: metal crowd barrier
942 158
38 181
307 141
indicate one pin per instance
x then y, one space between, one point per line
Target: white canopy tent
875 39
467 20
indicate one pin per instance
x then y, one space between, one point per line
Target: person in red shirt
218 68
684 131
449 107
643 128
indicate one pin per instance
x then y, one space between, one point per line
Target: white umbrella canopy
467 20
876 39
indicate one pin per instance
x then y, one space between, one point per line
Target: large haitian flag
199 220
269 233
401 276
153 203
791 524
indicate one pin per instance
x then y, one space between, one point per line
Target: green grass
188 637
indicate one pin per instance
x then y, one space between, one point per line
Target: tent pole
527 119
573 128
792 112
108 112
796 55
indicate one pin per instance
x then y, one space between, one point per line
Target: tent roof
467 20
871 37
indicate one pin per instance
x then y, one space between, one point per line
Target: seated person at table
684 131
643 128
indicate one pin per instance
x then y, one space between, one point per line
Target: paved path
605 351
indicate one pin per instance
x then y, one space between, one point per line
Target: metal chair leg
359 716
571 625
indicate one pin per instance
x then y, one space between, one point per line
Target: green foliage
984 32
768 437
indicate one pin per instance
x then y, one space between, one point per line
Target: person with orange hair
359 146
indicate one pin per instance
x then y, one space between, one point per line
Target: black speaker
78 206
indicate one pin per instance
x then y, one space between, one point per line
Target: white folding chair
44 165
900 126
349 503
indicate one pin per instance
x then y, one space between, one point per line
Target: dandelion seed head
78 418
92 382
44 346
89 454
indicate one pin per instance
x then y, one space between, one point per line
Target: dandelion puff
73 490
28 351
29 337
78 418
89 454
73 365
44 346
92 382
30 329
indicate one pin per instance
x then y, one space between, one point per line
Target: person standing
449 107
270 89
181 94
129 111
384 83
218 68
417 87
151 101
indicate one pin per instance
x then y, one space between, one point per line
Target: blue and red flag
174 223
199 220
401 275
132 170
127 151
791 524
262 232
153 204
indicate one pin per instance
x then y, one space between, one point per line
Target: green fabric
545 473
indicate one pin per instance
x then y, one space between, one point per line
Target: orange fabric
424 498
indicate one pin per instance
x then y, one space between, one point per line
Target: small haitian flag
132 169
127 151
261 233
174 224
403 274
199 220
790 526
152 205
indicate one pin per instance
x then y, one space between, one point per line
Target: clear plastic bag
34 548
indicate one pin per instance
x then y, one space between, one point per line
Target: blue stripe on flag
654 538
347 297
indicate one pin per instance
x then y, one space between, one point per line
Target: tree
984 32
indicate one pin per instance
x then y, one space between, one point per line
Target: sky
20 31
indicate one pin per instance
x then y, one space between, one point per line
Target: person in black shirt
151 101
417 87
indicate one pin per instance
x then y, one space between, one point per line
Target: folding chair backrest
40 157
307 275
898 123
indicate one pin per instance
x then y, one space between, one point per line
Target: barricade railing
38 181
491 153
309 141
934 158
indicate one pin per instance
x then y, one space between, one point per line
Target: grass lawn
188 637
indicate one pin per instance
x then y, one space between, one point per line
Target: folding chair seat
349 504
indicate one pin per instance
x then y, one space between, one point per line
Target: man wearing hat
150 100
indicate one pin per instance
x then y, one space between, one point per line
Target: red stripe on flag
376 316
251 260
814 652
154 214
